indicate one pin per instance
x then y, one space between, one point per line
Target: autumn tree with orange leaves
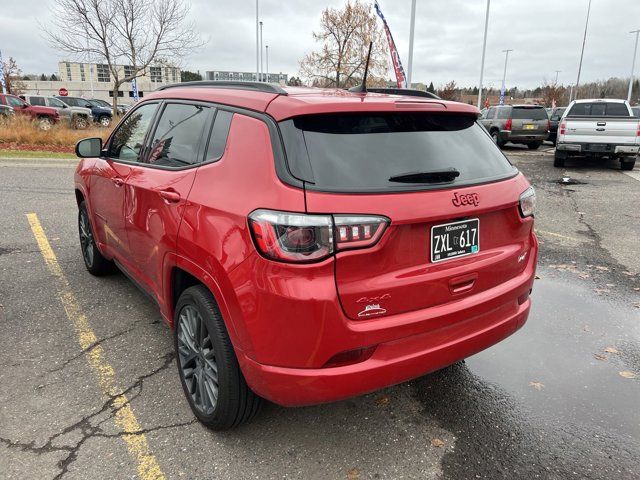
344 37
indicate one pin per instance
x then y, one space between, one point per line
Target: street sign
63 92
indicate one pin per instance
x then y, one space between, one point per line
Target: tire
627 164
104 120
559 159
45 123
80 123
534 145
205 356
496 138
95 262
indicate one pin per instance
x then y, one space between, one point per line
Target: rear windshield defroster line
361 152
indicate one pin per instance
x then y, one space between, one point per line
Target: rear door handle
118 181
170 196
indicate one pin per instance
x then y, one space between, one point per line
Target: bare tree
345 35
131 33
12 77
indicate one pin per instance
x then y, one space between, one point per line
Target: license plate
597 147
453 240
529 127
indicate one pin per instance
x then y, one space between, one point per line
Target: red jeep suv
308 245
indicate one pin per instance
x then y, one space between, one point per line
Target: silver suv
76 117
527 124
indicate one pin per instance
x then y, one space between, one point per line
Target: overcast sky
546 35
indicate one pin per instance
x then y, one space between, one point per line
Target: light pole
411 32
633 65
557 72
261 64
257 46
484 49
267 55
504 75
584 40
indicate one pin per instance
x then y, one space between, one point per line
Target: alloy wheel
86 238
197 359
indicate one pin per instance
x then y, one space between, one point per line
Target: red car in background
45 116
308 245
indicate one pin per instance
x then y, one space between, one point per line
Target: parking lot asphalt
559 399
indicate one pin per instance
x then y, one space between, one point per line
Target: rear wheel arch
179 279
79 196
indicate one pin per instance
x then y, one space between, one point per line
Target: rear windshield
599 109
361 152
529 113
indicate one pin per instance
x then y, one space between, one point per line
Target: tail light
302 238
638 130
508 123
527 202
563 128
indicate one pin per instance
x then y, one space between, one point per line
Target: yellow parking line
147 465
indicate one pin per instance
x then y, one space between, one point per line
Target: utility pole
584 40
557 72
504 75
267 54
633 65
411 33
484 49
257 46
261 63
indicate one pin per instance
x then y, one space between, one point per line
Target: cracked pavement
549 402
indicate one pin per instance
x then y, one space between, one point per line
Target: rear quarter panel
214 235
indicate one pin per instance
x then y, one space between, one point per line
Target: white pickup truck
598 128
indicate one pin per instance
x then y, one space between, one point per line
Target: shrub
21 133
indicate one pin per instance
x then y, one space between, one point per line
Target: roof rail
404 91
254 86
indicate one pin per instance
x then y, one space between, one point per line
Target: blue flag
134 89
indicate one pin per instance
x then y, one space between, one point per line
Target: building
94 80
245 76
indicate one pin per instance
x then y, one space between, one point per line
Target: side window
491 113
219 134
128 140
37 101
177 137
15 102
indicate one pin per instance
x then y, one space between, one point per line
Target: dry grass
20 133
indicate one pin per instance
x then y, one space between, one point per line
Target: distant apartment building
94 80
245 76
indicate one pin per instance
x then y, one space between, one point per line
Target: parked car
45 116
76 117
598 128
526 124
122 107
100 114
293 259
554 120
6 111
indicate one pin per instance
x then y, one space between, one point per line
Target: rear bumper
392 363
589 148
466 327
521 137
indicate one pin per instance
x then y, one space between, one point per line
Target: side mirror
89 147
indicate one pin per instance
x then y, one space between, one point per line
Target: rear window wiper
431 176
